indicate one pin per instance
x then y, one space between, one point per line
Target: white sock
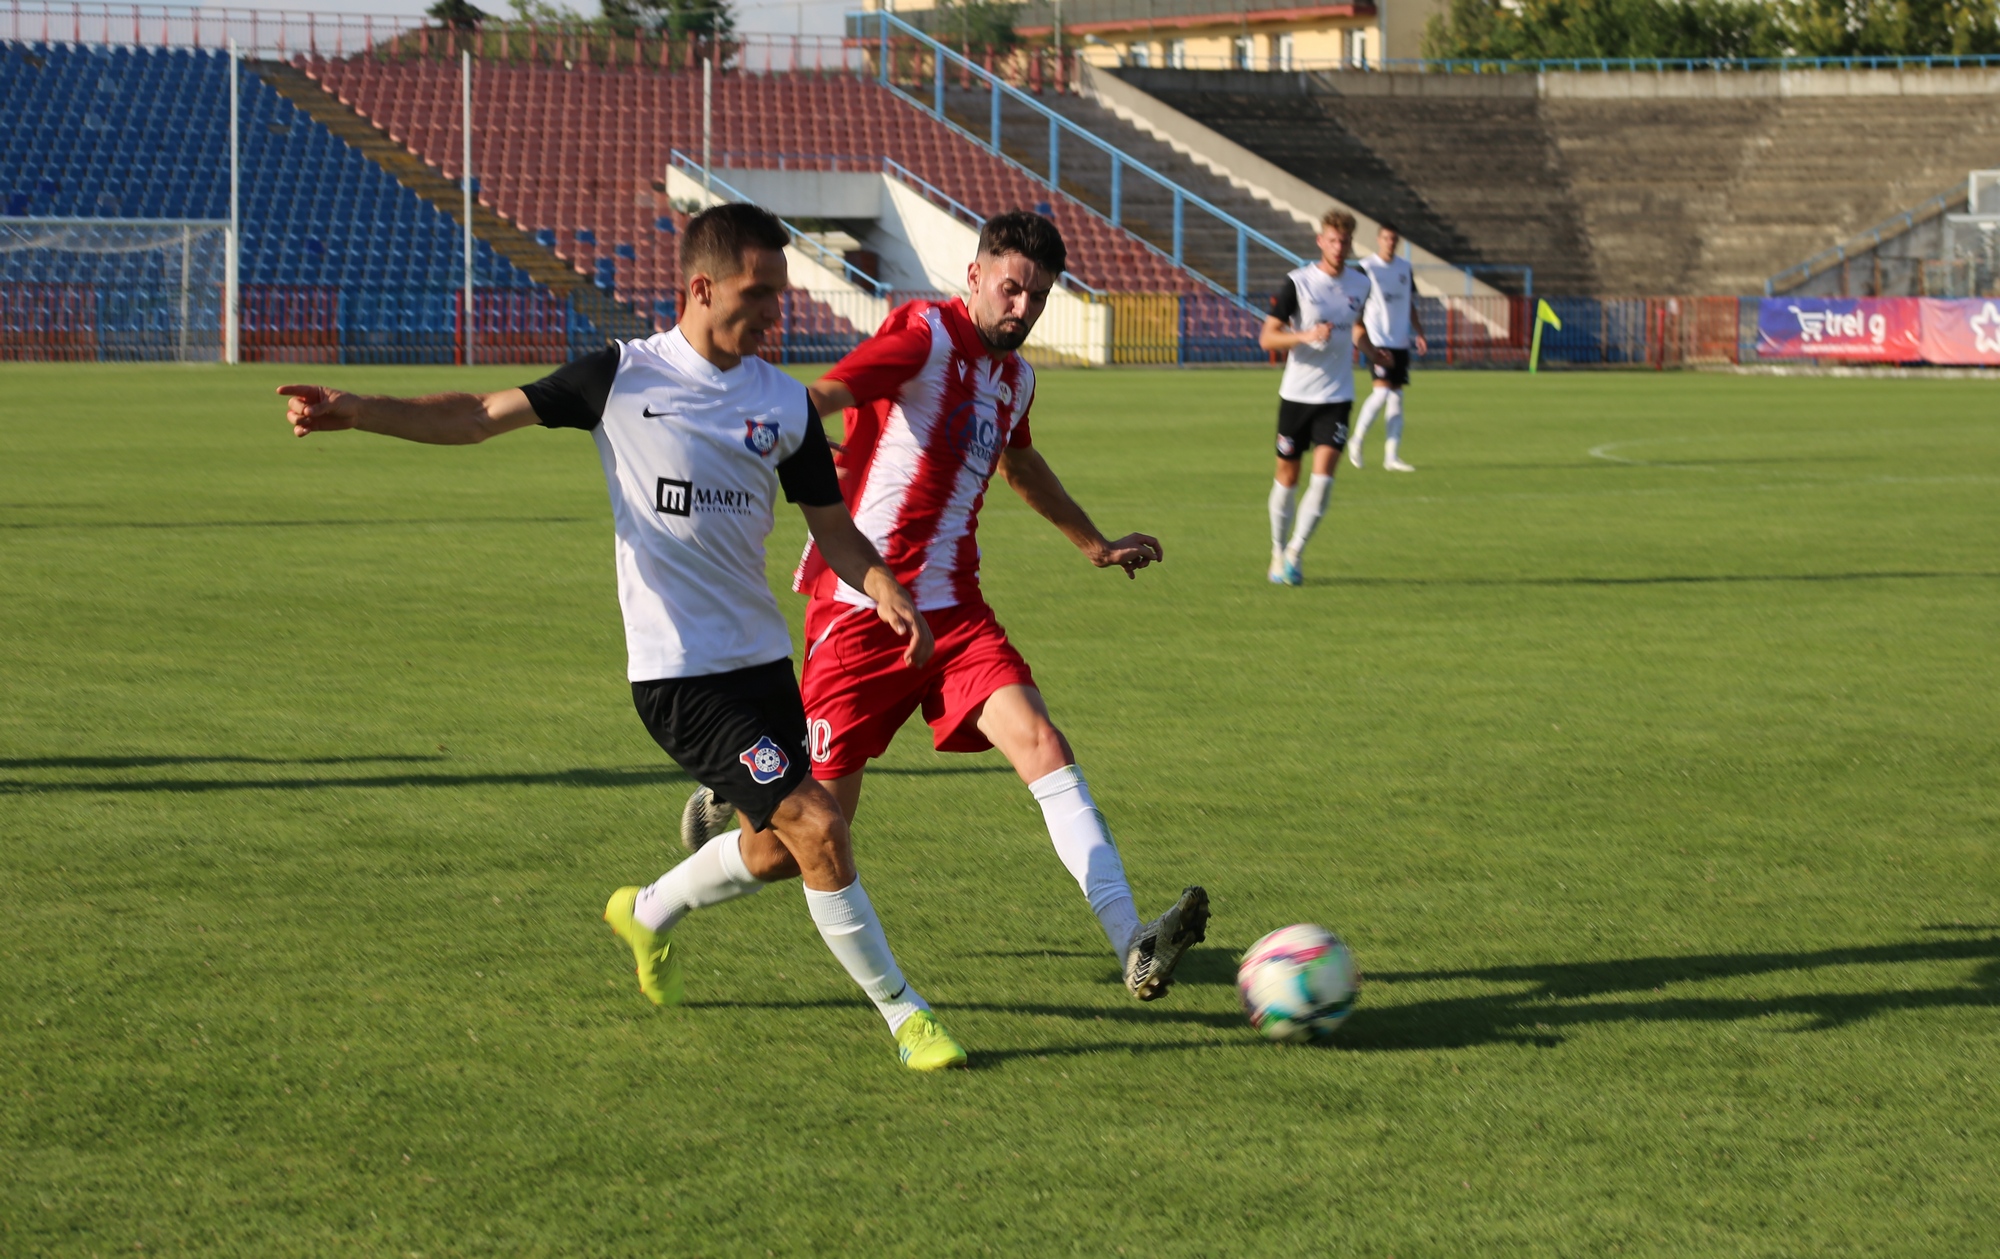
710 877
1392 428
1084 843
1312 505
1369 410
847 922
1281 514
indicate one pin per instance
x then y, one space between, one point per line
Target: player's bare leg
1016 721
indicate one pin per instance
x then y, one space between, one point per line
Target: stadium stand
1146 207
576 155
1604 185
372 270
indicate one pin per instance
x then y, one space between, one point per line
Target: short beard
1004 342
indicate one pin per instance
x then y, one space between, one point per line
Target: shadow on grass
296 524
152 762
1665 579
1564 995
1558 997
591 777
926 771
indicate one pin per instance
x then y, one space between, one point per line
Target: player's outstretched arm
441 419
854 559
1035 481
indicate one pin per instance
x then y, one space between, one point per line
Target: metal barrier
1657 65
1888 229
894 37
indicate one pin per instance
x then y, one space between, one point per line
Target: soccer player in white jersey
936 402
1315 320
697 436
1392 323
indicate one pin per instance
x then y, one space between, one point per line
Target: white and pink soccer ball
1298 983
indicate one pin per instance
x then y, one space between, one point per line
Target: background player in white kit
697 436
1315 319
1392 323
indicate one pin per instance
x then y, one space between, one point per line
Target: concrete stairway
1208 246
1476 185
1611 183
612 318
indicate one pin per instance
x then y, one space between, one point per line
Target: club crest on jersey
760 436
766 761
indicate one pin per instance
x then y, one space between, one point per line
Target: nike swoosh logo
650 413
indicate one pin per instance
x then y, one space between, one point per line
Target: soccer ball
1298 983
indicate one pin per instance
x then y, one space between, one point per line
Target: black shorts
1304 424
742 734
1392 368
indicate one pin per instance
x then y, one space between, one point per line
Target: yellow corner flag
1544 314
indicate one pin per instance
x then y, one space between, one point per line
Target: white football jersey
1393 286
691 456
1321 373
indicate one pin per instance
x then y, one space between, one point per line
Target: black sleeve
1285 302
572 396
808 474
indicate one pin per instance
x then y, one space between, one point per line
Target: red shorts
858 692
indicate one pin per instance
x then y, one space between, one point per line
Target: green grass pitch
1645 746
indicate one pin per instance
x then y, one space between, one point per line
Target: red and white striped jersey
934 410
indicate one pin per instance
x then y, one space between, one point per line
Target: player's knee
813 830
1048 751
767 859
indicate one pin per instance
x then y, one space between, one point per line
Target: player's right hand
1318 335
317 409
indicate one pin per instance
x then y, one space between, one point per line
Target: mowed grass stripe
1656 799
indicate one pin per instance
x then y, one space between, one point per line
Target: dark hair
1030 235
715 239
1386 226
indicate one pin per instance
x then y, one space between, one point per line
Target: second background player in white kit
1392 323
1316 320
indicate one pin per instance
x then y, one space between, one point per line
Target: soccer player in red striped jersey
936 402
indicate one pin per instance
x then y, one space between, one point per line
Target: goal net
146 290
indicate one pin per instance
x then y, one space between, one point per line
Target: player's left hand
1132 552
1423 346
898 611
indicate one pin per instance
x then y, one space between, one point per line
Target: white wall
934 248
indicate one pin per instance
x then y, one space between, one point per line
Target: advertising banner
1880 329
1962 332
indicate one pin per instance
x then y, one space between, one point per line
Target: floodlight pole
707 122
233 279
465 77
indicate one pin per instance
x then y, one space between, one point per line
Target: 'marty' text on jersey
694 457
934 410
1321 373
1387 317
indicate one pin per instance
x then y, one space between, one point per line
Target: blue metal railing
1888 229
1487 65
827 258
1058 126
